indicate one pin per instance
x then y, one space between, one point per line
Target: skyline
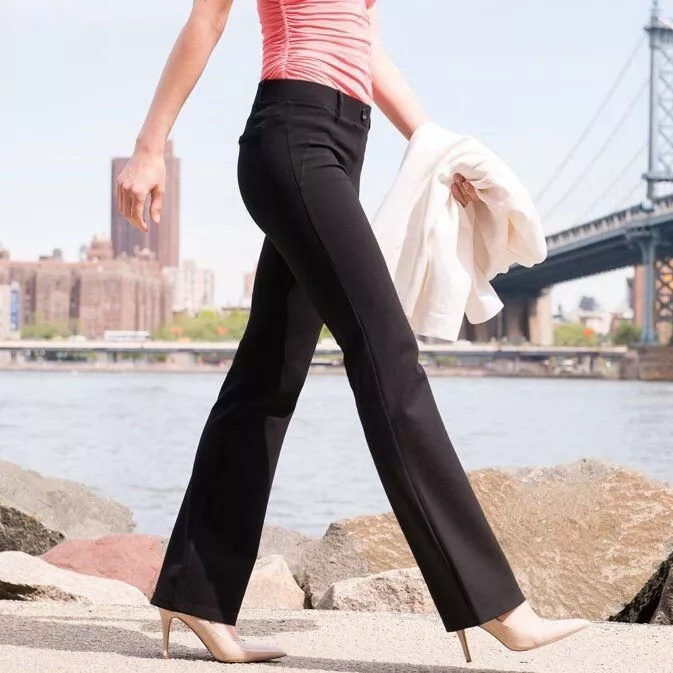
519 106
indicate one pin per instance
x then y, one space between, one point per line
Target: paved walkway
71 638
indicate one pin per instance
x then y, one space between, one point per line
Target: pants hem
208 612
504 604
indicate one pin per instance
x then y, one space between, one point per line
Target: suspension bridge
629 232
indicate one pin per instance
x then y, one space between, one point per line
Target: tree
44 330
574 334
589 304
207 326
626 333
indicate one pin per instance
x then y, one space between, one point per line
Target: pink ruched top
324 41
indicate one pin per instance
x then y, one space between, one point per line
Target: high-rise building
248 286
161 239
193 288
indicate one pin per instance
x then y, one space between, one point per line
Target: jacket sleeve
370 3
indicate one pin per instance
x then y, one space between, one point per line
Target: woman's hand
145 173
463 191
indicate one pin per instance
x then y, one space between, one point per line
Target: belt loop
339 103
260 94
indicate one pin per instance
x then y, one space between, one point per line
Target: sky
525 78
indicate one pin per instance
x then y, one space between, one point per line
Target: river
132 436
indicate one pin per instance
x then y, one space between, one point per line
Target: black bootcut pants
300 160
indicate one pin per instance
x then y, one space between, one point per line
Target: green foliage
325 333
627 333
44 331
574 334
207 326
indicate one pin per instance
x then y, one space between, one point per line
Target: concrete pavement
74 638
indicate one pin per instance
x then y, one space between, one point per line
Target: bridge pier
649 288
648 247
515 319
541 320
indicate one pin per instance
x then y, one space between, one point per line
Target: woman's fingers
144 174
463 190
458 193
131 203
471 191
138 197
156 203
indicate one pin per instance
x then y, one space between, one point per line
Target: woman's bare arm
396 99
145 172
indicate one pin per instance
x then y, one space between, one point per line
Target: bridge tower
658 282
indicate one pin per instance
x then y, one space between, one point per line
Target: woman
300 159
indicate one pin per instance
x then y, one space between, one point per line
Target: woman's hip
291 119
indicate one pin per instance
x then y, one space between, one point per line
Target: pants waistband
305 91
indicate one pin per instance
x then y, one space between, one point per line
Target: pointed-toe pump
220 640
526 633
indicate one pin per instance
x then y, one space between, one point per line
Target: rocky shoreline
588 538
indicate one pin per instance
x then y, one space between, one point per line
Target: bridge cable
615 182
593 121
627 197
600 152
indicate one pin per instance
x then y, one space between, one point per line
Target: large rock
134 559
287 543
353 548
28 578
38 512
401 590
273 586
654 602
582 538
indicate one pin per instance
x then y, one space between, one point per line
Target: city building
163 239
10 318
94 295
248 284
193 289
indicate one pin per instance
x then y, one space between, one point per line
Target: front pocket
265 115
250 133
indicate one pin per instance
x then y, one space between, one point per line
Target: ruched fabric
323 41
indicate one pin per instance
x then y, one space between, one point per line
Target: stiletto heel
462 636
221 640
166 619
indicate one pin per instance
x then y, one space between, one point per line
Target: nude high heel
463 642
526 631
219 639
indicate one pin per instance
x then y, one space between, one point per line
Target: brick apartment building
93 295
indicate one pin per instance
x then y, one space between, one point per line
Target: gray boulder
36 512
401 590
351 548
28 578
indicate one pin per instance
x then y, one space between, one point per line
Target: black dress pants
299 167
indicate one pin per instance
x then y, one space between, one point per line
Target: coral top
324 41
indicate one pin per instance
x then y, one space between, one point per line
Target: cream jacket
442 256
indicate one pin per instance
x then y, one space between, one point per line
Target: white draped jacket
442 256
